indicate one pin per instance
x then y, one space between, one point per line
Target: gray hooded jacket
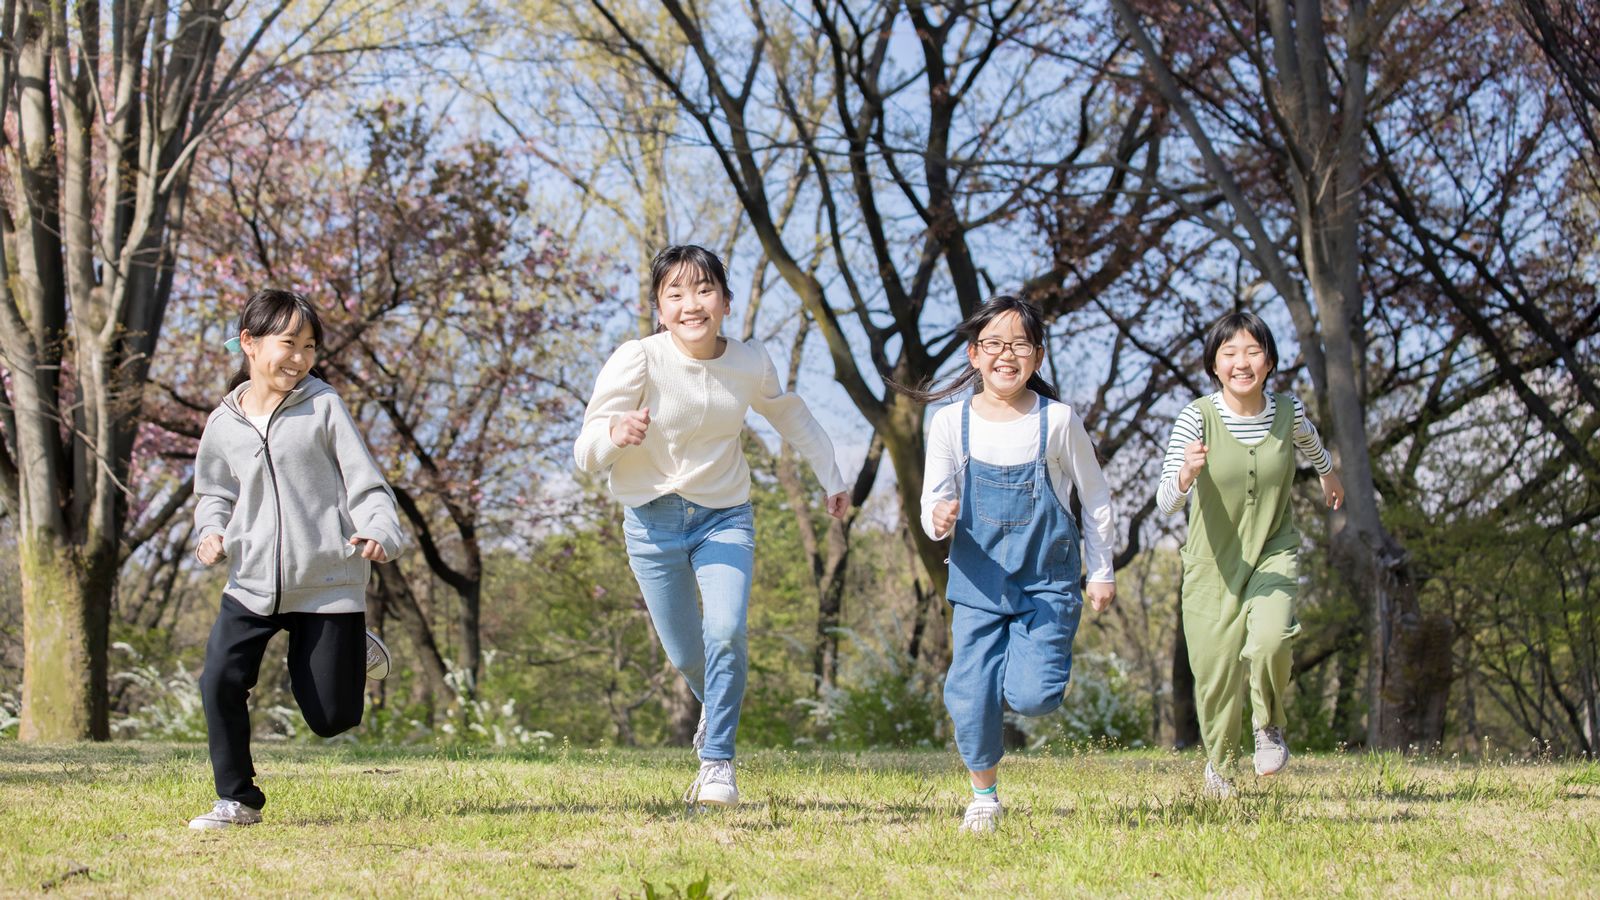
288 501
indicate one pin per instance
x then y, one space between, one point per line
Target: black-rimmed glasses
994 347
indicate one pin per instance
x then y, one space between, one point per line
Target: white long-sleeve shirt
1070 459
1249 430
697 410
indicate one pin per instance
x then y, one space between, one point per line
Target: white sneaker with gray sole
1272 751
226 813
1217 787
714 786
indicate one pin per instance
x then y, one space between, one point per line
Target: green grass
109 820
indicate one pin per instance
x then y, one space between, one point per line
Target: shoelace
226 808
699 741
716 771
980 815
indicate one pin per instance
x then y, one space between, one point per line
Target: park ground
108 820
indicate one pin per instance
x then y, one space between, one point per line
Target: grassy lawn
109 820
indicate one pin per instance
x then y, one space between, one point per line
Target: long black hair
271 311
696 259
1223 331
1000 304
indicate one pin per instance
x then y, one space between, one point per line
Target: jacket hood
309 386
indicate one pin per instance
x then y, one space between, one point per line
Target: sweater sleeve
215 485
1188 429
1078 459
941 468
367 492
795 424
1309 441
618 389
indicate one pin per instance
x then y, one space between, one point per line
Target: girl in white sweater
665 420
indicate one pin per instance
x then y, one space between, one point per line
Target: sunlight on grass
354 820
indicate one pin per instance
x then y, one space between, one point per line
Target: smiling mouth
1006 370
292 373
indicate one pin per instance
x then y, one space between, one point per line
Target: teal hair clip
232 345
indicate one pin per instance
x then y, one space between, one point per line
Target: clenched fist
944 515
1194 459
210 550
629 428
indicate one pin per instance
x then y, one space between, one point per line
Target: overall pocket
1000 503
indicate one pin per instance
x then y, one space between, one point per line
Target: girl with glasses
665 421
1001 469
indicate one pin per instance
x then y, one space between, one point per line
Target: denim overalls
1015 593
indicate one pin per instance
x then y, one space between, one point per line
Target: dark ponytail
1032 326
271 311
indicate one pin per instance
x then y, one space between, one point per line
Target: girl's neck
1249 405
1003 409
711 349
259 399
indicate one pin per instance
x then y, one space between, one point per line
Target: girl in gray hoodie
290 496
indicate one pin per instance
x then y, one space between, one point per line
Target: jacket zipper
277 508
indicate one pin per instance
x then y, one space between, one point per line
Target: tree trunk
401 605
471 598
683 712
65 629
1185 718
1346 720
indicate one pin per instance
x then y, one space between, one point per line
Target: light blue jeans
694 564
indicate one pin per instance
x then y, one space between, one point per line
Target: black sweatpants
327 670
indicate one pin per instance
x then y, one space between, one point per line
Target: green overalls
1240 579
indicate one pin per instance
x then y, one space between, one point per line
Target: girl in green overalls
1231 459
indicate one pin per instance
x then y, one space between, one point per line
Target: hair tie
232 345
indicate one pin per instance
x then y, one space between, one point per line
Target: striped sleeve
1189 428
1308 440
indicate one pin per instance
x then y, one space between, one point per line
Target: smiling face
1005 375
1242 366
691 306
279 361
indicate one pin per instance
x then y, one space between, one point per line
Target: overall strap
1044 426
966 456
1044 445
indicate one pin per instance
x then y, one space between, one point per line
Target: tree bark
1185 717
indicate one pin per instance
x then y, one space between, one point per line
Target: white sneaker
714 785
983 815
1217 787
224 814
377 658
1272 751
699 742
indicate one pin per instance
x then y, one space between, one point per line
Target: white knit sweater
697 409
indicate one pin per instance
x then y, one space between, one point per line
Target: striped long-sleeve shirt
1250 430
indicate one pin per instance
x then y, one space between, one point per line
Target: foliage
10 714
882 702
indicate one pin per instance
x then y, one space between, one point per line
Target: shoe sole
716 798
218 826
382 672
1269 774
